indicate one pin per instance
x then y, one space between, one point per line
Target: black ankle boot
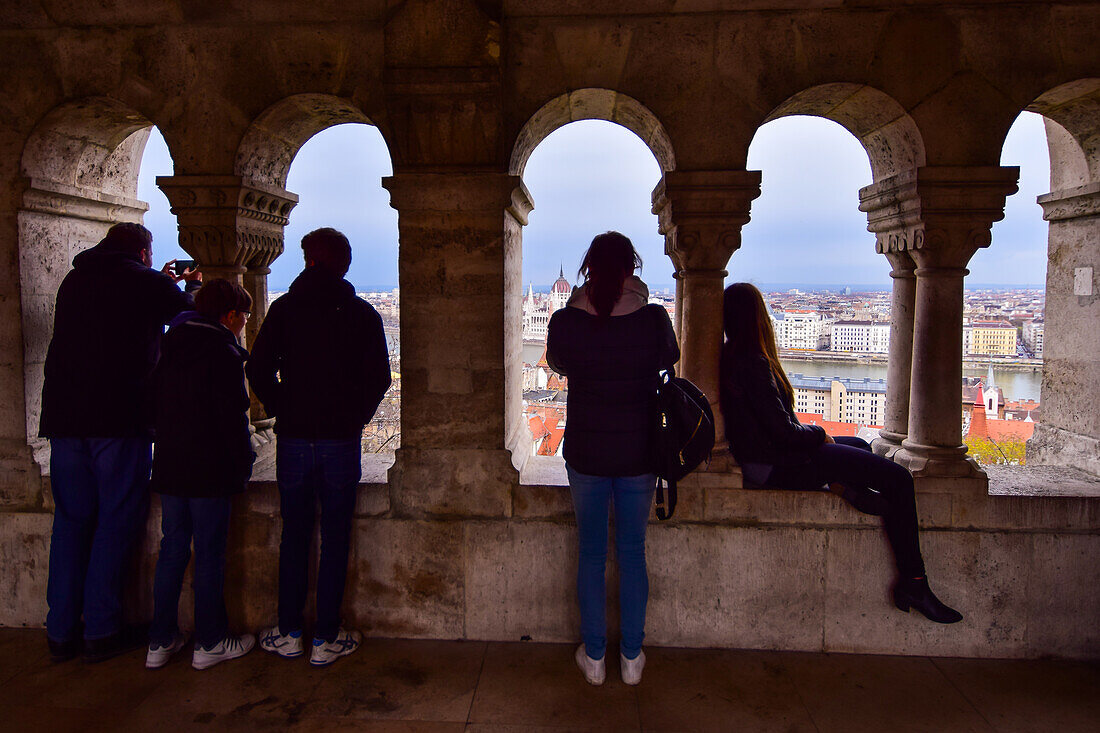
867 501
915 593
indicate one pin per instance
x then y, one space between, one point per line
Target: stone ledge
1041 481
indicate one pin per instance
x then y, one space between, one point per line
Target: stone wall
753 569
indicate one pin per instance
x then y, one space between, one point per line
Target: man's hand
170 270
188 275
829 438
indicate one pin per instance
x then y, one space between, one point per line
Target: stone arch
275 137
887 132
593 104
81 163
1072 113
88 145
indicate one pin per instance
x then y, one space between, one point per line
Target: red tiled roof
1001 430
538 429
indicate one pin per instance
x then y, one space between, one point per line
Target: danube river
1016 385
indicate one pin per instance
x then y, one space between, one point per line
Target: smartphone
182 266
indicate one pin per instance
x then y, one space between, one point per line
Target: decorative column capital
941 215
225 221
701 214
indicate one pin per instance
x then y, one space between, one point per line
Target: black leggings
851 463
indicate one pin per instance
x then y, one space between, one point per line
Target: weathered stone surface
25 549
468 483
521 581
406 579
982 574
1063 596
744 587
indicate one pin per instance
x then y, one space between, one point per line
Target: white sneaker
631 669
594 670
157 656
325 653
287 646
231 647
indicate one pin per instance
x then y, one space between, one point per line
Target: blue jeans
851 463
101 495
207 520
307 470
633 497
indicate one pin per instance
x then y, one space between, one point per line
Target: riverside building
989 338
861 337
858 401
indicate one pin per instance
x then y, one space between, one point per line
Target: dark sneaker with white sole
231 647
325 653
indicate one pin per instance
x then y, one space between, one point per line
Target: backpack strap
662 484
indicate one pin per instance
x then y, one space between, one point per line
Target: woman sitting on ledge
775 450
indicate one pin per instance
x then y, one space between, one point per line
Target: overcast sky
592 176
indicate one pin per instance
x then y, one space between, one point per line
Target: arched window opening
1003 317
808 250
159 219
337 175
585 178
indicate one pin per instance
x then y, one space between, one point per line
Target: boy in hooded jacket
203 458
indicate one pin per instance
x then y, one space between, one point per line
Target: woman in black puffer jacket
775 450
611 344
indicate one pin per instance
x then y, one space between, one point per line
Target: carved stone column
1068 435
958 205
893 214
701 214
459 235
230 225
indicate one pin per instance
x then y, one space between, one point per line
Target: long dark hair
749 330
609 261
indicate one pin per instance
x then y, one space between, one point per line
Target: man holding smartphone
109 317
320 366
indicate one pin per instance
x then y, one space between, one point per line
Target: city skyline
591 176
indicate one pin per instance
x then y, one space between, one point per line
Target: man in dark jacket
203 457
321 367
110 314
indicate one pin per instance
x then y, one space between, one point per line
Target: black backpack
685 435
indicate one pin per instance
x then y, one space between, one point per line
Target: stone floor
413 686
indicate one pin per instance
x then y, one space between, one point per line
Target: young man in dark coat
203 457
110 314
321 367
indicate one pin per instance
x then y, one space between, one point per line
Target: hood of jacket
101 257
192 337
317 286
635 297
